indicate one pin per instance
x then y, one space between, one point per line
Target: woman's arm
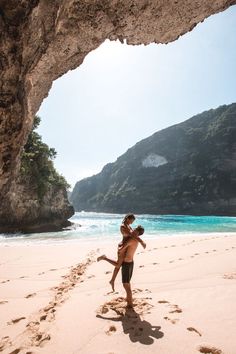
132 234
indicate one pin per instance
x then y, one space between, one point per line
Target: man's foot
112 284
101 257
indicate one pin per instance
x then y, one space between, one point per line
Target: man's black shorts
127 271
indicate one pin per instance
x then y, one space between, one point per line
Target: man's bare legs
129 295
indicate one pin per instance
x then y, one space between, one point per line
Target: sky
122 94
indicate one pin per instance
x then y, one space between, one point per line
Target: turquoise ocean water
101 226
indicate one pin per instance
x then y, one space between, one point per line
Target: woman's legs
104 258
117 266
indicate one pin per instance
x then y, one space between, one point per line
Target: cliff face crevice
41 40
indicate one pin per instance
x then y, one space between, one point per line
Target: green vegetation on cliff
188 168
37 163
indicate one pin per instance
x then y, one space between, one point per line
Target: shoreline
23 240
184 286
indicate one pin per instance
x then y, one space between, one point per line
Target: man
126 263
128 250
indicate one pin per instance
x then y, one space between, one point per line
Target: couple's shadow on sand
138 330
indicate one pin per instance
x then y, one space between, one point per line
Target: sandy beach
56 298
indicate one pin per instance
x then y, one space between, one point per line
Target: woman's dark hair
128 216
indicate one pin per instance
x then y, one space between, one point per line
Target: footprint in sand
209 350
137 291
180 259
172 320
112 292
119 306
111 330
141 266
5 281
2 302
16 320
229 276
41 273
43 318
191 329
91 276
16 351
171 261
4 341
163 302
40 338
30 295
52 270
108 272
176 308
155 263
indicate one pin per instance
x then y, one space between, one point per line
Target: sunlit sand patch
35 333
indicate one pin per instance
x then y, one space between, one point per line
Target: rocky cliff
28 213
41 40
39 200
189 168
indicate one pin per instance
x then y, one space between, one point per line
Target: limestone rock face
27 213
41 40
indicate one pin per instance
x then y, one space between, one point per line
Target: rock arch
43 39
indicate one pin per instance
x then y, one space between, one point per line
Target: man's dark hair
140 229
